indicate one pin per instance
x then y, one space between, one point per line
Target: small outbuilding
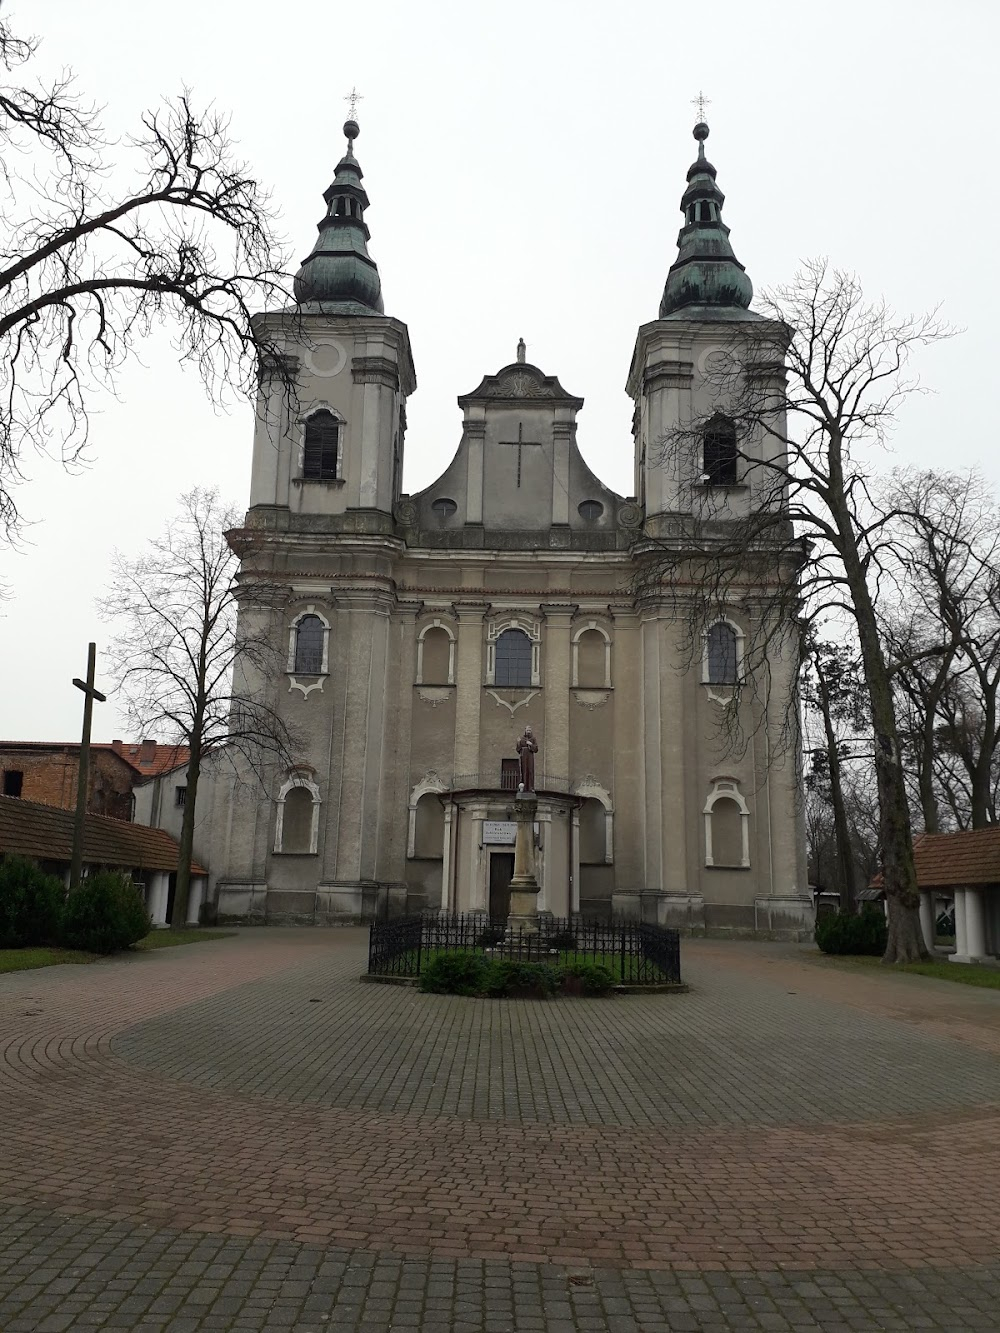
967 865
45 834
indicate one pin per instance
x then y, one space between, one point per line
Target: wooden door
501 872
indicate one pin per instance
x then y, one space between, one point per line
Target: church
419 635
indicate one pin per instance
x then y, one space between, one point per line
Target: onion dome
340 276
705 272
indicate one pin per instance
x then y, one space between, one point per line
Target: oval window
444 508
590 510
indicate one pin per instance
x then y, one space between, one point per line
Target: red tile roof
46 833
945 860
148 757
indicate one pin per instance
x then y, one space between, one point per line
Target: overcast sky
524 165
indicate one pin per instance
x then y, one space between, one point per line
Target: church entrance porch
501 870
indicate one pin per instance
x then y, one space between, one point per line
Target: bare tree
810 392
830 683
88 267
189 641
943 634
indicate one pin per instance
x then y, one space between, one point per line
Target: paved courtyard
240 1136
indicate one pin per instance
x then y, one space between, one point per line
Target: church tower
334 445
675 376
700 464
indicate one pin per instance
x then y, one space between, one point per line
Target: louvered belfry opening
319 461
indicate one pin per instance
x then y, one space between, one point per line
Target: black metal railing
394 947
635 952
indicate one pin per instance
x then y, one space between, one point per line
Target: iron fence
635 952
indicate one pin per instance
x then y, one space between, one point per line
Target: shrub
563 940
508 977
31 904
847 932
593 978
105 914
455 974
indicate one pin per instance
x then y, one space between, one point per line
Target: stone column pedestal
523 885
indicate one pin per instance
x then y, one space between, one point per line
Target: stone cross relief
521 443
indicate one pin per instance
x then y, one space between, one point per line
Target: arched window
719 460
727 833
721 654
297 828
428 840
513 658
593 832
310 641
322 443
591 669
727 825
436 657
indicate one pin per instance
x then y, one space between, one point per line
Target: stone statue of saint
527 748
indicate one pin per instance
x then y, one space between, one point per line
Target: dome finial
706 276
339 275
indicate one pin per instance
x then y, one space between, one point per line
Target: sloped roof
146 757
162 759
46 833
946 860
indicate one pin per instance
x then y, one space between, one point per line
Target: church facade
420 634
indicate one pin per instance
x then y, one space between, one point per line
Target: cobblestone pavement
238 1135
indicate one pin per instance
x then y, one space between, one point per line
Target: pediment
516 383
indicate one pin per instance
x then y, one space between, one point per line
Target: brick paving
238 1135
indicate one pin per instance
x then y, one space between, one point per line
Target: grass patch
27 960
966 974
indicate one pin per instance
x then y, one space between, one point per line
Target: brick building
46 772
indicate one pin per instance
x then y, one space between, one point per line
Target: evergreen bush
592 978
31 904
455 974
864 932
104 915
526 980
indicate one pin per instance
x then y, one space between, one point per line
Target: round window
590 510
444 508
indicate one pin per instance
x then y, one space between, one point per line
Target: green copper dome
340 276
705 272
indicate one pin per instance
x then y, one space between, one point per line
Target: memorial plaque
500 831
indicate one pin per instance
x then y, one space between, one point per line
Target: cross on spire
353 98
701 102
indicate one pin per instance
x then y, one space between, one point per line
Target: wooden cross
520 443
89 695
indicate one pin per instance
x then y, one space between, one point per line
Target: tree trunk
182 892
845 853
981 773
928 797
905 942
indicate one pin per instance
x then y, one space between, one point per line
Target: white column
961 954
927 917
196 896
159 891
975 924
